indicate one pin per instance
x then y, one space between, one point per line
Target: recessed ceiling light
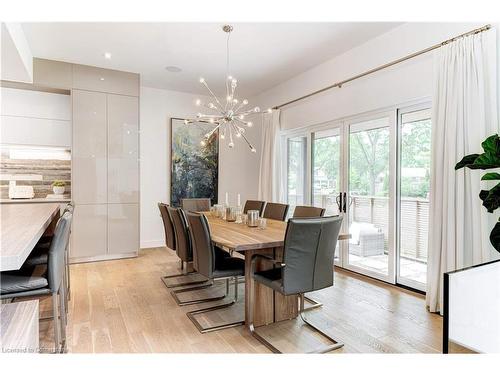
107 55
173 69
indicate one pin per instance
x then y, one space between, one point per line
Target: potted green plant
58 187
489 159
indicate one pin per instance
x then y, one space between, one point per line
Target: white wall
497 29
404 82
16 58
238 168
35 118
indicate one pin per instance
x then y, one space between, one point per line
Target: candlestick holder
230 214
239 214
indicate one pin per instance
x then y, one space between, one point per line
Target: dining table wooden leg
285 307
263 297
268 306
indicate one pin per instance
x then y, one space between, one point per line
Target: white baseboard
152 243
99 258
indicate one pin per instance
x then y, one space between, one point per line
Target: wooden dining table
268 306
22 225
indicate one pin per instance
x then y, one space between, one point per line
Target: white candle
227 199
239 202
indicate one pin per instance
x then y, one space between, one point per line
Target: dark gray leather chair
182 248
215 264
308 211
195 204
254 205
167 226
307 266
40 255
21 284
276 211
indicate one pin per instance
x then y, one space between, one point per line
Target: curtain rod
415 54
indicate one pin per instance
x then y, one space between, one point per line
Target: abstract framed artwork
194 168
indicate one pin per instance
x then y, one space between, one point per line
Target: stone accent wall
50 170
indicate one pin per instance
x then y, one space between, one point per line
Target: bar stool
213 265
19 284
307 266
39 256
276 211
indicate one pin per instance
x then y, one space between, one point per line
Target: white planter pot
59 190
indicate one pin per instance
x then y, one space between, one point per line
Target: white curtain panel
464 114
270 184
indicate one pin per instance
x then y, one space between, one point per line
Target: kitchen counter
35 200
22 227
19 333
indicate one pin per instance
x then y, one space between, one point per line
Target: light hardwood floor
123 306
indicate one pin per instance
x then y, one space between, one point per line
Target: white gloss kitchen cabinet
105 156
123 149
89 155
105 176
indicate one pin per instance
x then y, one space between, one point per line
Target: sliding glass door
326 172
296 171
414 125
373 170
370 198
326 176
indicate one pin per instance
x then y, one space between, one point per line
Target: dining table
268 306
22 226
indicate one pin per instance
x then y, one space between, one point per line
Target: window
414 185
296 171
374 170
369 213
326 170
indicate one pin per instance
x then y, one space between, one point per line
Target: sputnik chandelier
230 117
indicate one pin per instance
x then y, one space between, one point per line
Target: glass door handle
338 199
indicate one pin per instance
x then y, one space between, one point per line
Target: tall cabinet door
89 148
89 231
123 229
123 149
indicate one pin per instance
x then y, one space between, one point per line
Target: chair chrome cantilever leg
57 326
314 304
63 317
184 268
192 314
175 293
334 346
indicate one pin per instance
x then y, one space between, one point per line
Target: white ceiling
262 55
